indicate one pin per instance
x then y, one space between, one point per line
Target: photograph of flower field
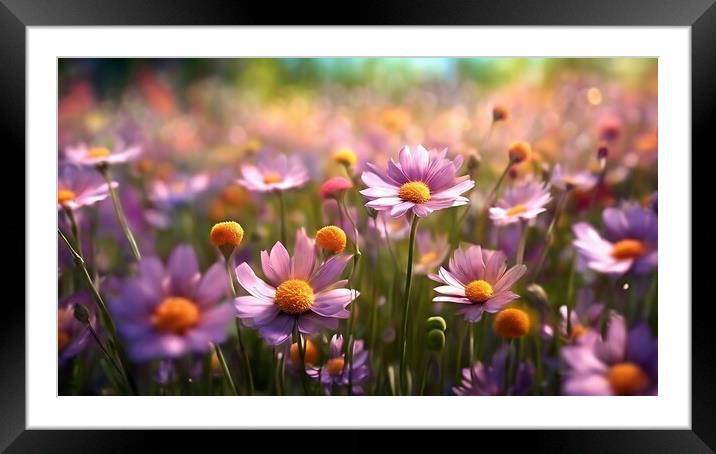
357 226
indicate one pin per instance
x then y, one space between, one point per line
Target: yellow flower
331 238
226 234
512 323
345 156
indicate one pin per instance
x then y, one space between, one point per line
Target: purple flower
84 155
336 370
623 364
296 291
77 188
562 179
583 318
181 189
477 279
168 312
277 174
480 380
421 182
72 335
521 203
432 250
631 242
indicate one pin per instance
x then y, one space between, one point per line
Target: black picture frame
16 15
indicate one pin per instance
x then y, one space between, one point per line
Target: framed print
447 220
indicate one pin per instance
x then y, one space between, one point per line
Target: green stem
75 230
471 328
550 233
387 238
406 302
538 365
104 312
481 224
120 213
302 355
521 246
242 348
425 375
99 342
225 368
282 210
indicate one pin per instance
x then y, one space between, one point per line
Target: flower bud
537 294
512 323
519 151
436 322
473 161
81 314
500 113
436 340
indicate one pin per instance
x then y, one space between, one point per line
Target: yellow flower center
310 355
627 379
428 257
628 249
63 339
226 234
478 291
98 152
331 238
346 157
175 315
512 322
334 366
294 296
414 191
65 195
516 210
272 177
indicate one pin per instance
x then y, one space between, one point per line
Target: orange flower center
65 195
98 152
331 238
627 379
414 191
272 177
310 355
478 291
227 233
334 366
577 332
63 339
512 323
175 315
294 296
516 210
628 249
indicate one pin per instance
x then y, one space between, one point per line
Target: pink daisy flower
77 188
479 280
421 182
631 241
521 203
296 291
84 155
563 179
277 174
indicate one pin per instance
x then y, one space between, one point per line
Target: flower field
357 227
